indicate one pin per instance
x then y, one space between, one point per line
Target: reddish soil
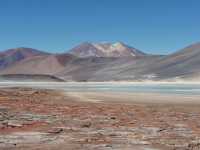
55 121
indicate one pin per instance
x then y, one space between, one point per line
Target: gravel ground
47 119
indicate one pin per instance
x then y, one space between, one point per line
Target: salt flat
186 89
139 98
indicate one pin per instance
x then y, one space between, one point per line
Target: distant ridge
10 56
29 78
102 62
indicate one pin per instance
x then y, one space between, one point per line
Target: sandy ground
134 98
48 120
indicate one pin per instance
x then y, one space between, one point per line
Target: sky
153 26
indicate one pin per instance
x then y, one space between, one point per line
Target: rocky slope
181 64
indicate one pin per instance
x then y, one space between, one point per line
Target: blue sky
154 26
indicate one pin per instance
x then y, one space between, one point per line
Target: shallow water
168 88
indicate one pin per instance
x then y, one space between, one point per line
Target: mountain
11 56
41 64
105 50
183 64
84 69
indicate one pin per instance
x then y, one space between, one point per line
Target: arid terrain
48 120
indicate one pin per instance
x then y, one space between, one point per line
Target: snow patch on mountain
117 49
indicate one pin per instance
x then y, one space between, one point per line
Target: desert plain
45 119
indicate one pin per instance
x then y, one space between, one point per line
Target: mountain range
100 62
